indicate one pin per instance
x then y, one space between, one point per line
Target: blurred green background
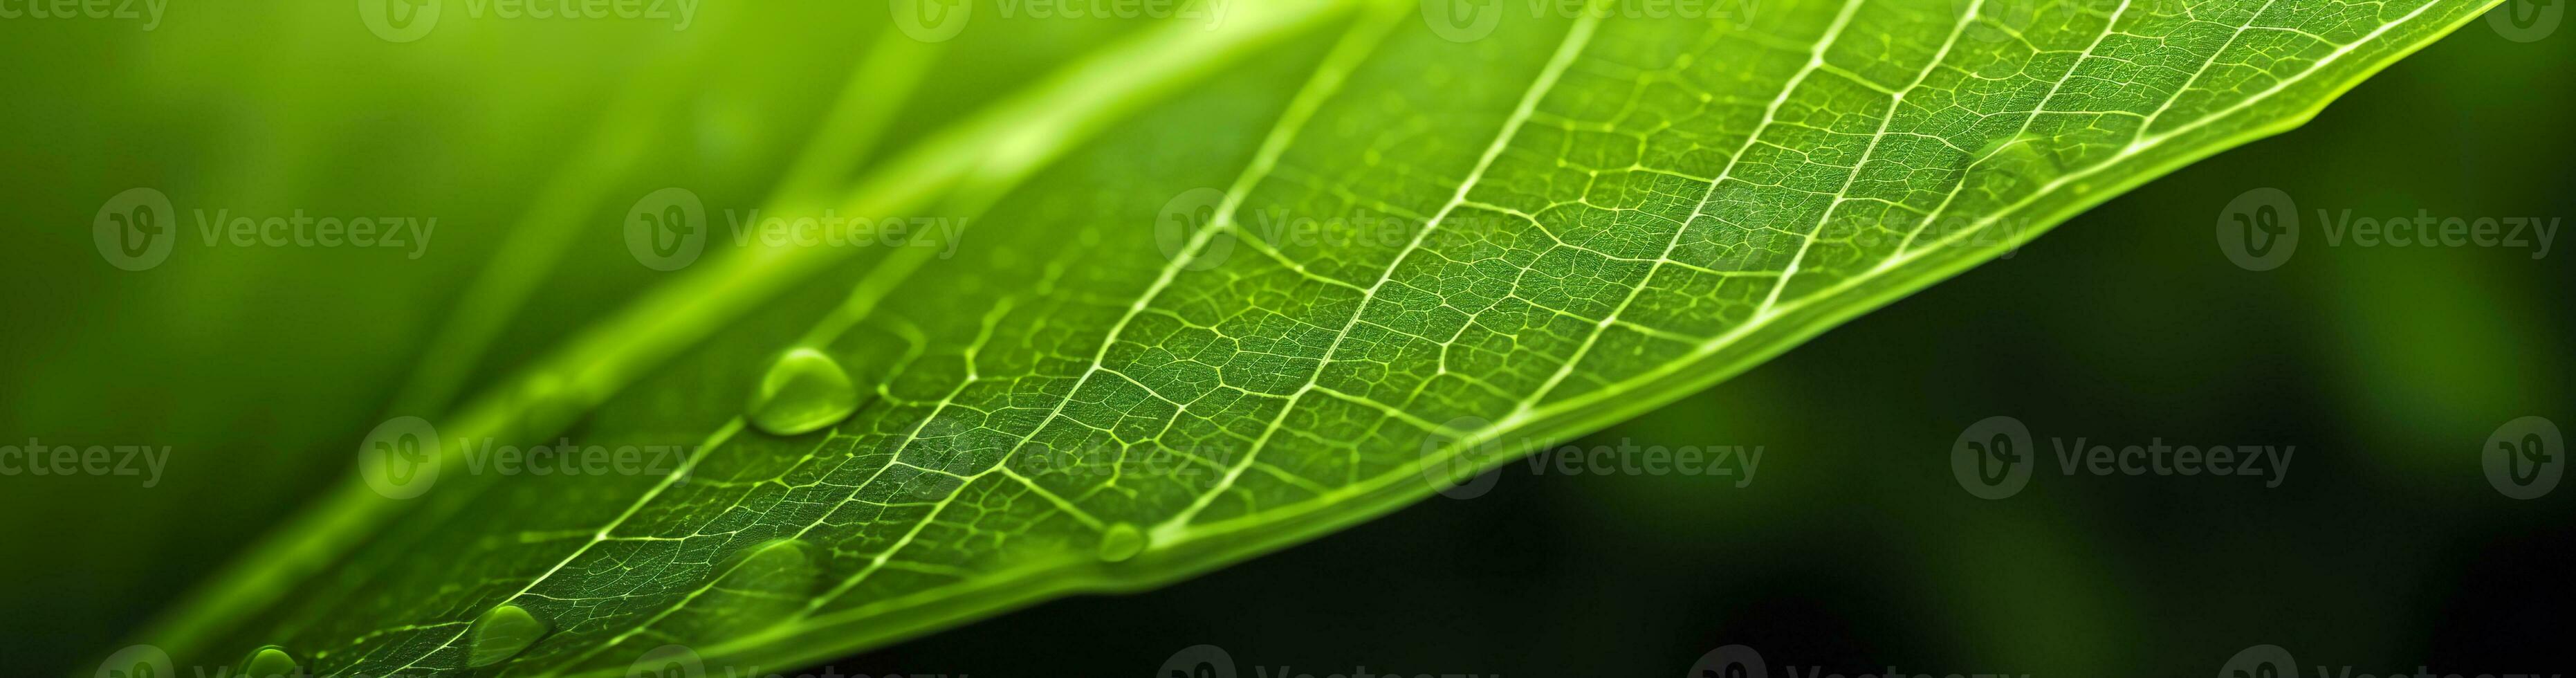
1853 549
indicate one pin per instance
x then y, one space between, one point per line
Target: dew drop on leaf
1121 542
758 588
805 391
268 661
501 634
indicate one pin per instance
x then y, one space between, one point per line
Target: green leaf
1210 305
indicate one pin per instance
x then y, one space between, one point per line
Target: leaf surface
1227 289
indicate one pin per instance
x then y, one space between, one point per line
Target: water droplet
1121 542
501 634
757 588
805 391
268 661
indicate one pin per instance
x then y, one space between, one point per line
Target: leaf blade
1773 317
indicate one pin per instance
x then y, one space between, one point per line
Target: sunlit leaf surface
1213 290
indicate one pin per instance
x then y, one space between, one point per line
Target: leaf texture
1206 311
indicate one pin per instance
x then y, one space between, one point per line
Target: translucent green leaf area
1225 289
